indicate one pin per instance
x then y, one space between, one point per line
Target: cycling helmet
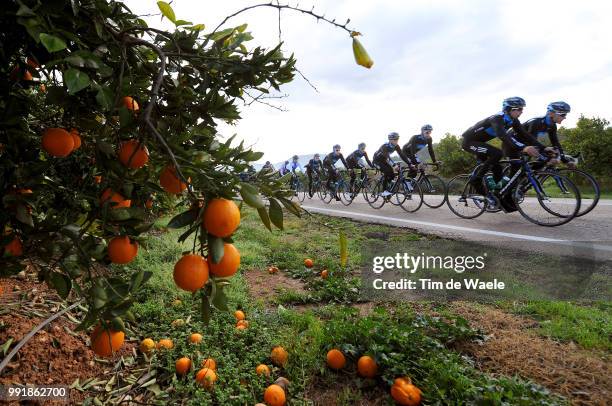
337 146
286 162
267 162
513 103
393 136
295 157
317 155
361 145
426 127
559 107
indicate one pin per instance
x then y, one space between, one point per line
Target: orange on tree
279 356
308 263
130 103
133 154
149 203
98 179
367 367
222 217
165 343
115 200
182 366
324 274
244 323
169 181
104 342
14 248
228 265
191 272
74 133
336 359
147 345
206 377
239 315
275 395
57 142
195 338
209 363
405 393
121 250
262 369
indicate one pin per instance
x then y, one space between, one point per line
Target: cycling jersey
417 143
283 169
332 158
355 156
495 126
314 165
293 166
541 126
384 153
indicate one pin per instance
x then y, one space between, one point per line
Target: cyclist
267 167
283 170
382 158
417 143
329 164
353 161
295 165
475 141
313 166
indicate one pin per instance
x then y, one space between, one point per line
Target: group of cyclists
493 185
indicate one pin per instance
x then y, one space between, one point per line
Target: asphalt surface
589 236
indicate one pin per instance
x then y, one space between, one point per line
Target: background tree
455 159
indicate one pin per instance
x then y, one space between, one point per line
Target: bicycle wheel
399 194
302 191
434 191
588 186
462 199
373 196
542 201
325 194
413 196
345 192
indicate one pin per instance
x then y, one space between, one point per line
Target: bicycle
433 186
298 188
526 187
339 188
405 192
360 185
316 185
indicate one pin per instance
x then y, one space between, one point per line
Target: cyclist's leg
309 174
512 153
388 173
490 157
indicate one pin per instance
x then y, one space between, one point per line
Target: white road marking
461 228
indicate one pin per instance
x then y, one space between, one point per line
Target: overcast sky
447 63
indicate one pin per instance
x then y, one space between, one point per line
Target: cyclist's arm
526 135
365 155
432 154
343 161
408 151
402 155
554 140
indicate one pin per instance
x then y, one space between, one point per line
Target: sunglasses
561 114
517 109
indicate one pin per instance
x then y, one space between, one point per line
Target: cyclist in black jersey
382 158
283 170
329 163
476 137
267 167
417 143
353 161
313 166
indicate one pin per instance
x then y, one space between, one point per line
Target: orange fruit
195 338
191 272
182 365
262 369
43 88
170 182
138 153
32 63
336 359
229 263
272 270
130 103
242 323
308 263
405 393
27 76
366 367
206 377
121 250
165 343
221 217
98 179
241 326
105 342
239 315
324 274
116 200
210 363
149 203
274 395
57 142
147 345
74 133
14 248
279 356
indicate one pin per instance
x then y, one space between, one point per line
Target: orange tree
100 113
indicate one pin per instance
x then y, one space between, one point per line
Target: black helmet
337 146
317 155
295 157
361 145
393 136
513 103
426 127
267 162
559 107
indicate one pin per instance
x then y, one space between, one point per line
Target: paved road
589 236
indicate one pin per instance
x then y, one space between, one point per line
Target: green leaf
120 214
219 300
61 283
52 43
139 278
263 214
197 27
24 216
343 249
250 195
117 324
184 219
241 28
215 248
276 213
105 97
25 11
293 207
182 22
125 117
166 10
75 80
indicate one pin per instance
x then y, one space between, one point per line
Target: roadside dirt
264 286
